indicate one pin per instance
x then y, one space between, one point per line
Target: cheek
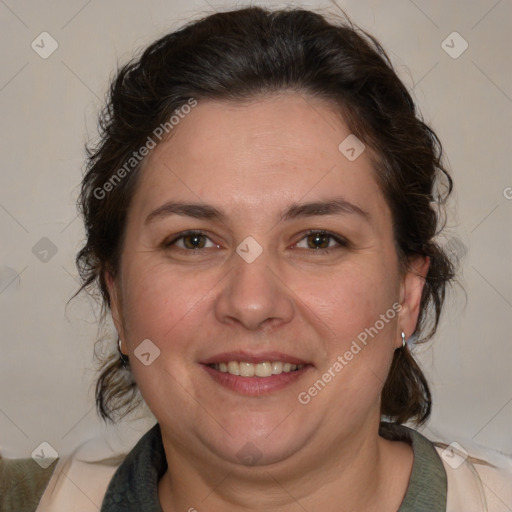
355 306
352 298
164 306
359 313
168 309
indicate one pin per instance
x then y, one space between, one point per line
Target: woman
261 214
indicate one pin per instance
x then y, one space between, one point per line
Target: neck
362 472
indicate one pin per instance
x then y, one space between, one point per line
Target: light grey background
48 110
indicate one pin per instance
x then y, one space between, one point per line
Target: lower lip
256 386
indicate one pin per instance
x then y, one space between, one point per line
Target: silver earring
124 358
403 339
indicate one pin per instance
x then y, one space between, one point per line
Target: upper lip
253 357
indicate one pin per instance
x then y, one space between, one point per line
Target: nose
254 296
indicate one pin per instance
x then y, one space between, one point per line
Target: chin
258 442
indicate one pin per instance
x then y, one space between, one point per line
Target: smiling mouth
263 369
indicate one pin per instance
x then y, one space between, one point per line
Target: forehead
278 148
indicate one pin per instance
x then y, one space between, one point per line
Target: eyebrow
337 206
197 211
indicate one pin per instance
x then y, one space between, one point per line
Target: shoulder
80 480
478 478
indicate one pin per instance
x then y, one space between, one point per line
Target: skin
252 161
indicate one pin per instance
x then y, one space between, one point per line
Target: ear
411 290
115 302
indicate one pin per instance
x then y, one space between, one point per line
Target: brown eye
191 241
194 241
318 240
321 241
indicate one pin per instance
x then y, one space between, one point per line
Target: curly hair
242 55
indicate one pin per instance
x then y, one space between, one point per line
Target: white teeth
264 369
246 369
277 367
233 368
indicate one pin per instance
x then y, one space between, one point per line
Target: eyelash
342 242
183 235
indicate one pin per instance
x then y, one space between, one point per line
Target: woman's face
254 244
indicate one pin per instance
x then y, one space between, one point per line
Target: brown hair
241 55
